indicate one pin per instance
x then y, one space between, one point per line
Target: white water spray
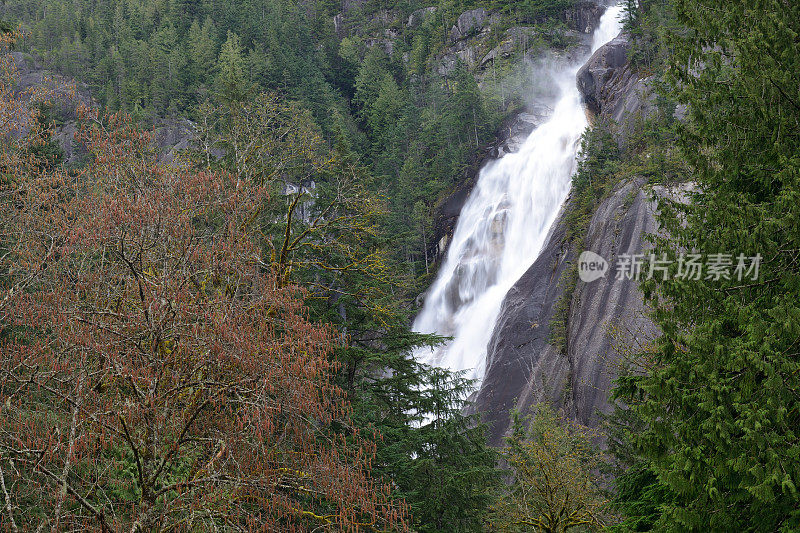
503 225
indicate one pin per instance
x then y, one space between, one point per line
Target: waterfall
503 225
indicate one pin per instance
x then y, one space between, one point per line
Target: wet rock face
583 17
508 138
613 89
523 366
605 76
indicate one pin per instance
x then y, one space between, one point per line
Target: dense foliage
718 405
555 486
312 220
354 145
156 373
223 342
159 58
327 236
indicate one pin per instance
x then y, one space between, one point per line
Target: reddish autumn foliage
154 374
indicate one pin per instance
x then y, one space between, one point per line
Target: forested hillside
379 97
300 211
214 332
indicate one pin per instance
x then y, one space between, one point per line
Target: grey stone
338 25
468 23
387 45
523 367
583 17
605 72
515 38
418 17
613 89
173 136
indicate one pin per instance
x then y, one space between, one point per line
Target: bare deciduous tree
155 374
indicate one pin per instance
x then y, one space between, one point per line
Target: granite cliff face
524 367
612 88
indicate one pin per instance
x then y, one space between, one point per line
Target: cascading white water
503 225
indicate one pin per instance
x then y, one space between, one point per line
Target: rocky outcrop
583 16
387 45
170 135
466 51
469 23
469 41
513 39
66 94
524 367
476 31
66 97
605 76
419 16
613 89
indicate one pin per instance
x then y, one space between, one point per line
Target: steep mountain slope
602 319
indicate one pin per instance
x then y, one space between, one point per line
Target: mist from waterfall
503 225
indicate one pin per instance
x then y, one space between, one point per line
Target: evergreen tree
368 82
203 50
468 107
436 456
386 121
720 403
232 82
